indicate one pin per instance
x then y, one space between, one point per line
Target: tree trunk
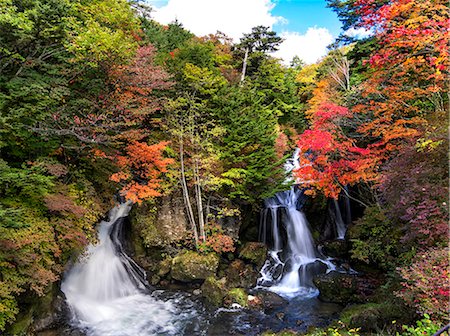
198 192
187 200
244 66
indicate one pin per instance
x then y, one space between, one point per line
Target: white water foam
107 292
287 271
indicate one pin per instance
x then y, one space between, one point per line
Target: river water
108 296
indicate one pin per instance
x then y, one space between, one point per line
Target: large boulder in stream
337 287
254 252
347 288
266 300
214 290
191 266
240 274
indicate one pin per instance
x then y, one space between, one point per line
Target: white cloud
358 32
232 17
310 46
236 17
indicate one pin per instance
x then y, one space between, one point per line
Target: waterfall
341 228
293 258
108 294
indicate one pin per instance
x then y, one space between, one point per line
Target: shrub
423 327
426 283
374 239
415 188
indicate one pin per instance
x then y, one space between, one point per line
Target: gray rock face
162 223
55 318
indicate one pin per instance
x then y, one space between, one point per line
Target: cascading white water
293 258
341 228
107 291
287 270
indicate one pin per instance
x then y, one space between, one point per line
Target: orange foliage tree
406 87
128 114
141 168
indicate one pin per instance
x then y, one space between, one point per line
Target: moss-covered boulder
236 295
281 333
164 267
370 317
337 287
242 275
214 290
40 314
336 248
190 266
254 252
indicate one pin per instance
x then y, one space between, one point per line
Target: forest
100 103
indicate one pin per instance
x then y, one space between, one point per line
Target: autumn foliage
426 283
329 159
134 100
141 169
407 85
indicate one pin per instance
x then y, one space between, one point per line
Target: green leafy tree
254 47
248 147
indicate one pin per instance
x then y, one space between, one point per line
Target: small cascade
291 165
340 214
293 258
341 228
108 294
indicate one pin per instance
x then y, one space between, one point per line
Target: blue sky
302 14
306 25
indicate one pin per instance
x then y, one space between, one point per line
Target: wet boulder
242 275
337 287
269 300
311 271
191 266
254 252
236 296
336 248
214 290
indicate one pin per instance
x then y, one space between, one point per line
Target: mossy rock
254 252
336 248
214 291
281 333
164 267
337 287
236 295
190 266
371 317
41 313
239 274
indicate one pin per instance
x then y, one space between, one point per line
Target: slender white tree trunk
187 200
244 66
198 191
